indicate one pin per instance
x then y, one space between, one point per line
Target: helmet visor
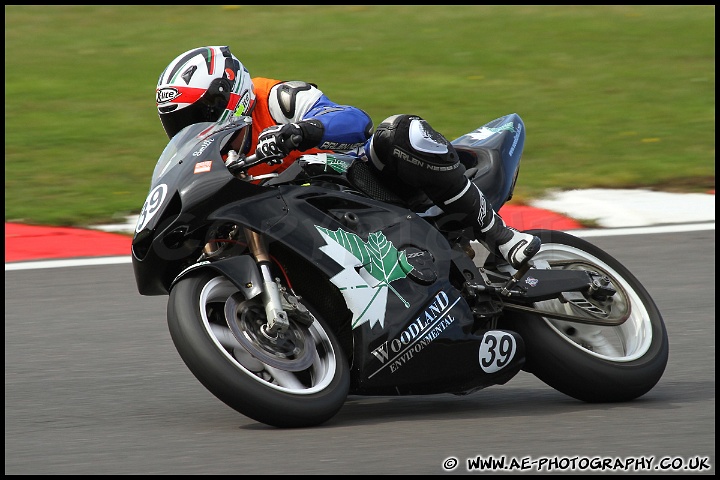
207 109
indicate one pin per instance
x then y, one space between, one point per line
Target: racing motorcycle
290 291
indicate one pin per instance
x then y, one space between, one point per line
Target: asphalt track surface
93 385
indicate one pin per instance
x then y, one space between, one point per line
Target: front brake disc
291 350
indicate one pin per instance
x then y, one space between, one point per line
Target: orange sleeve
261 119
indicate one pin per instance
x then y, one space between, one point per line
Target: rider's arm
343 127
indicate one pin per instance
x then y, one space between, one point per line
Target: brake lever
238 164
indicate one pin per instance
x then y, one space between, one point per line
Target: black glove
276 142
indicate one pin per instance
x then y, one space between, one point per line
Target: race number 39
152 205
497 349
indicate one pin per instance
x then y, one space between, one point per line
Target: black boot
515 247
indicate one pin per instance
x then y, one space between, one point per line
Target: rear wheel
588 362
297 379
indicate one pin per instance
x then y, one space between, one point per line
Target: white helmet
205 84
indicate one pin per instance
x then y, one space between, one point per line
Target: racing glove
276 142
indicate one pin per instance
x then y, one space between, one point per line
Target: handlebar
243 163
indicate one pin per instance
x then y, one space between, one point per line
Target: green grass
612 96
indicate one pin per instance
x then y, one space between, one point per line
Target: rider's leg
407 147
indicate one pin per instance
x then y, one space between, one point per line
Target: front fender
242 271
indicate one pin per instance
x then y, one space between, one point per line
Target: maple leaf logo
368 267
484 132
337 165
328 161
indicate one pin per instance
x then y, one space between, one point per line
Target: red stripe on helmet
187 95
233 102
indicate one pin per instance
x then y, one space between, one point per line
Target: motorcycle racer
290 118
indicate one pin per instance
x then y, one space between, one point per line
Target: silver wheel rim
622 343
313 379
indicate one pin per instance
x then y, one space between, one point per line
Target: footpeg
516 278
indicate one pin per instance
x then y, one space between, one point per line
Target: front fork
277 318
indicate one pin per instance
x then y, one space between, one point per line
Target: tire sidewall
568 368
234 386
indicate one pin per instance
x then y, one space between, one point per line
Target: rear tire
285 391
587 362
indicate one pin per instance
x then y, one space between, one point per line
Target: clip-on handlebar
242 163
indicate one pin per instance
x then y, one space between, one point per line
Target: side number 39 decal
496 350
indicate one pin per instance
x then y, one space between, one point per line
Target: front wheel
298 380
587 362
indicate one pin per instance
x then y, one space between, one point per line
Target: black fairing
411 329
189 182
438 270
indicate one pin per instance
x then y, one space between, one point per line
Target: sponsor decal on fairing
328 161
205 144
201 167
395 353
486 132
369 268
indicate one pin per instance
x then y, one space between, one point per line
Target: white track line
603 232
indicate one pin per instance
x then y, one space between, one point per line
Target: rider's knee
408 147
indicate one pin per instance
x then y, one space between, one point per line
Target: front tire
587 362
288 392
